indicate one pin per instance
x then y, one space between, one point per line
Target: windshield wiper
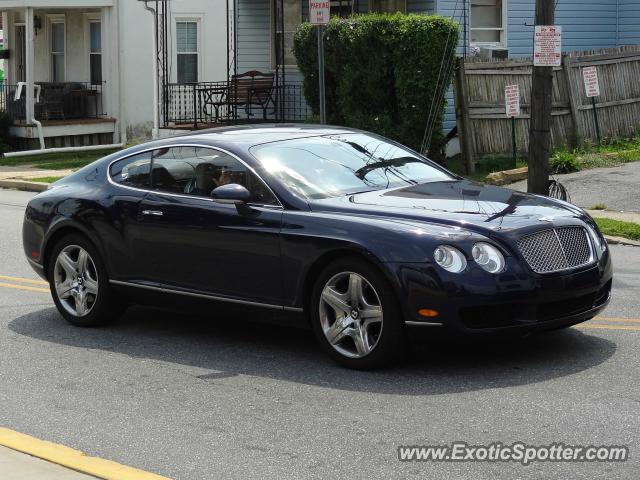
391 162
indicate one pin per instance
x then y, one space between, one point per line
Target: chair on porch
246 90
51 105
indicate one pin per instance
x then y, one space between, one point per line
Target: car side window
197 171
133 171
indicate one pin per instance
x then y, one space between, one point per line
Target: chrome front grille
556 249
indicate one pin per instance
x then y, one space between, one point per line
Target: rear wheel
355 315
79 283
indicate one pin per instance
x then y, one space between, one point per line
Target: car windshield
335 165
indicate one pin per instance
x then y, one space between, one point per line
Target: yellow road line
24 287
609 327
23 280
71 458
618 319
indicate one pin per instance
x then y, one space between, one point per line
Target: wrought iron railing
202 104
54 100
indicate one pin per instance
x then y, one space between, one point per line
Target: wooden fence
480 107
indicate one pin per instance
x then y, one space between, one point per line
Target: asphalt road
200 397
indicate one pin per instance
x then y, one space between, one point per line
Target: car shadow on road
236 347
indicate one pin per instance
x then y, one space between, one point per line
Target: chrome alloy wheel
76 280
351 314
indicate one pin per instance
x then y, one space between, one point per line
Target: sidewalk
15 465
25 171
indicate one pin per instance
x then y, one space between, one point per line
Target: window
335 165
487 18
292 17
133 171
197 171
187 51
341 8
57 50
95 52
388 6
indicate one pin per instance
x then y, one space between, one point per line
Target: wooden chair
246 90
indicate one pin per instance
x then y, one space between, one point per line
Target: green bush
564 162
381 72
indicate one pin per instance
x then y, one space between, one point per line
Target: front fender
310 237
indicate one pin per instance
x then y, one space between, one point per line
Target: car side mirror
232 193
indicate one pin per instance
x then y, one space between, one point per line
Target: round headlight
450 258
488 257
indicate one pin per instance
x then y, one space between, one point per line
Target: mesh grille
556 249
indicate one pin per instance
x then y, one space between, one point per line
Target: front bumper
518 300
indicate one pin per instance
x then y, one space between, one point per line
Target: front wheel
79 284
355 315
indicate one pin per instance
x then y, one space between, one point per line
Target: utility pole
540 126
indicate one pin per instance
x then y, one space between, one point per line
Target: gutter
44 151
156 93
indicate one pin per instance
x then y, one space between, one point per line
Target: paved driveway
616 187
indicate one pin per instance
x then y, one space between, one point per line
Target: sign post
512 110
592 89
319 12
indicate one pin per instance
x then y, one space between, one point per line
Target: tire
86 299
358 340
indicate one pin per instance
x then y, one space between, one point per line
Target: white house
81 72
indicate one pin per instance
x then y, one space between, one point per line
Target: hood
460 203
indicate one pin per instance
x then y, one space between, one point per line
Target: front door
185 240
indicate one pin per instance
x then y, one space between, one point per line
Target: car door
186 240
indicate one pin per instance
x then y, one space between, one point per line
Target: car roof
249 135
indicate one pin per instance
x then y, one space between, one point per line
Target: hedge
381 72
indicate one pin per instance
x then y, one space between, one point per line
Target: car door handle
157 213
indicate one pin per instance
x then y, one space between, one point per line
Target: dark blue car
365 238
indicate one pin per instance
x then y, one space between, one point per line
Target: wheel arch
344 252
60 230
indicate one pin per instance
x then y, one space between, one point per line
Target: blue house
260 34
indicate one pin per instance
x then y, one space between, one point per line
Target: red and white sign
591 84
547 46
512 100
319 12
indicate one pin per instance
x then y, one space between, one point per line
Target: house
488 27
104 71
82 71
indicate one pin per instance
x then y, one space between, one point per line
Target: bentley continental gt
361 237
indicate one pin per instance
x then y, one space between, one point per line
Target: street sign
512 100
319 12
547 46
591 84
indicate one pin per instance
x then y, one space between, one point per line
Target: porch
58 88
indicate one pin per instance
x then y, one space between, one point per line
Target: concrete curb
611 240
24 185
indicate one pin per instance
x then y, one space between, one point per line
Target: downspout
617 23
156 93
40 134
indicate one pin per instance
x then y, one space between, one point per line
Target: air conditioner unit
495 52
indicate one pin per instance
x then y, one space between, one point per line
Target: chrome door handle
157 213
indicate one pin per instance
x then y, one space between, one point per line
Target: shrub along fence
384 73
480 104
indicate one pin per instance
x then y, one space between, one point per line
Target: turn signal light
426 312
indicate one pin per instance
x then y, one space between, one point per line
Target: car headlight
450 258
597 238
488 257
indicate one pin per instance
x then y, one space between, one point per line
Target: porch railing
202 104
54 100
